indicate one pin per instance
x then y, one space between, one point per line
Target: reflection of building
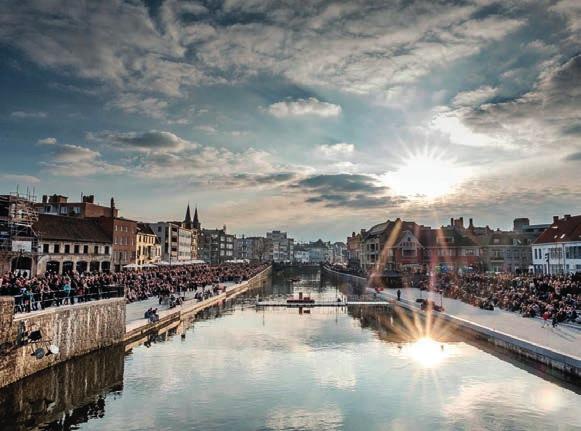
558 249
72 244
18 240
279 247
148 248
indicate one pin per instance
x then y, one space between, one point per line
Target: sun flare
427 352
426 175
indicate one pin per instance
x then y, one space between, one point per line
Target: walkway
563 339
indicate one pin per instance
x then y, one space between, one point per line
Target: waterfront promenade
558 347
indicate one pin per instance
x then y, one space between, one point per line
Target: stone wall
75 329
6 317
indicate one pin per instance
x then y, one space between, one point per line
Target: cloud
335 151
154 141
47 141
346 190
76 161
23 114
135 104
574 157
302 107
207 128
475 97
17 178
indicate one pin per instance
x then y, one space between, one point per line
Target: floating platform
320 304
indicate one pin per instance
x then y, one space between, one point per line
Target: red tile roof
563 230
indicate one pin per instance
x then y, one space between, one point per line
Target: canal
241 368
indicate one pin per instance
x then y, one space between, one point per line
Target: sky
319 118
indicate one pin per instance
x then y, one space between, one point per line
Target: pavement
564 338
135 310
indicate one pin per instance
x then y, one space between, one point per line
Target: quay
320 304
79 329
557 348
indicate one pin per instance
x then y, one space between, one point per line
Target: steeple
196 223
188 219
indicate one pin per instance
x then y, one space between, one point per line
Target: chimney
462 222
44 199
567 216
471 225
555 219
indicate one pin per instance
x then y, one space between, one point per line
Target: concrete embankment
74 329
137 330
558 349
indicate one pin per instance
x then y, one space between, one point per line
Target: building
252 248
121 231
339 250
194 227
301 255
319 251
216 245
147 246
175 241
18 240
558 249
59 205
280 248
354 243
70 244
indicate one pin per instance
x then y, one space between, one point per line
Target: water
245 369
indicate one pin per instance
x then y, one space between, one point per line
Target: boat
300 300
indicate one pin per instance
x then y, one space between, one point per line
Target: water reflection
240 368
63 396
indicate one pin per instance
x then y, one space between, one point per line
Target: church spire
188 219
196 220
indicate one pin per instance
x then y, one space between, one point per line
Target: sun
425 175
427 353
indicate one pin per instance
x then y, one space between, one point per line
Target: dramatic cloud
300 107
346 190
76 161
23 114
335 151
153 141
474 97
46 141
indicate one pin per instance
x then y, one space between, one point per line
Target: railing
27 302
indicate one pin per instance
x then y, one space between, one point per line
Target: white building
175 241
558 249
301 256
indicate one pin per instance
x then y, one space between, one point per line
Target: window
77 210
63 210
76 248
45 248
67 248
106 249
85 249
96 249
57 248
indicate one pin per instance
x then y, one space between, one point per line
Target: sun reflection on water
427 352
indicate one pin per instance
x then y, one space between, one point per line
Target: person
555 321
546 316
398 295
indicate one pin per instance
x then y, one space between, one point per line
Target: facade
339 250
280 248
175 241
252 248
18 240
301 255
354 247
558 249
59 205
123 233
216 245
194 227
147 246
72 244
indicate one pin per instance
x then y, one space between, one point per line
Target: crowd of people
51 289
532 295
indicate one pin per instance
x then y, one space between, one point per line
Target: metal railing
34 301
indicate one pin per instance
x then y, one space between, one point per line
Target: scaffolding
17 218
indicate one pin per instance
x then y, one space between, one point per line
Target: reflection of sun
427 352
425 174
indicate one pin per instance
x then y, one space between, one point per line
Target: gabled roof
63 228
145 229
563 230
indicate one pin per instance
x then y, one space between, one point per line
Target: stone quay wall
75 329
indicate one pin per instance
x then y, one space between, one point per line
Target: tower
188 219
196 222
